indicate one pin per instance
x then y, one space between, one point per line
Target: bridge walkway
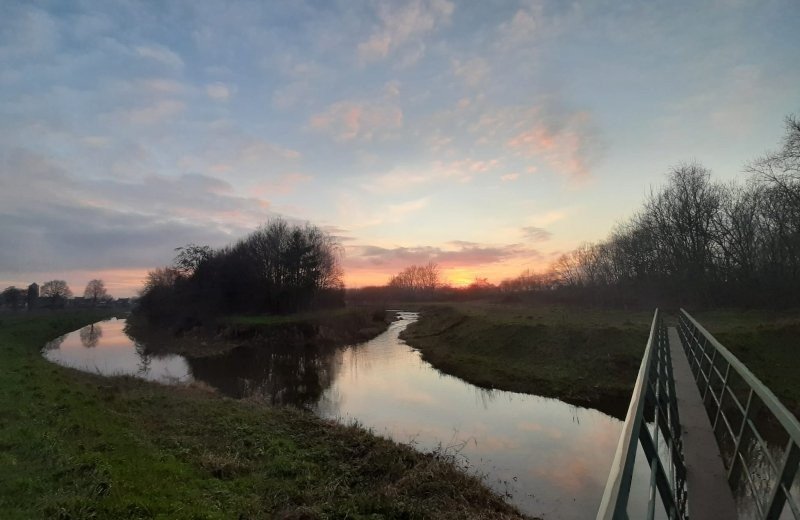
710 495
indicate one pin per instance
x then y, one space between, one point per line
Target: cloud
462 170
536 234
160 54
459 254
523 27
27 31
567 142
284 184
162 86
402 24
473 72
352 120
411 206
508 177
57 221
218 91
154 113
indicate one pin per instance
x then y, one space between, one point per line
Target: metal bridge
717 442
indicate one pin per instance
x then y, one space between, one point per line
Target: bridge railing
653 422
758 437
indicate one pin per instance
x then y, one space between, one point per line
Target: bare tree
95 291
417 279
56 289
190 257
781 168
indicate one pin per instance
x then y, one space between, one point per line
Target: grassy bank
587 357
767 342
75 445
327 328
590 356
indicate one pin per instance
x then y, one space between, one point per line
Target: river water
549 458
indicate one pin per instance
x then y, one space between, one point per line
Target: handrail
654 388
705 355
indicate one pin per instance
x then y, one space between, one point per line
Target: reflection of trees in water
755 482
144 358
282 375
90 335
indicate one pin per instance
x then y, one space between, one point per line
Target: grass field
767 342
75 445
589 356
583 356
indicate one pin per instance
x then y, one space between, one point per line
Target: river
549 458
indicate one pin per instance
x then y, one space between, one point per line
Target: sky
489 137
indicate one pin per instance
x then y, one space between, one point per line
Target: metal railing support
748 438
654 388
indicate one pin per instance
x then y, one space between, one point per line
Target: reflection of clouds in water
533 427
572 475
106 350
552 457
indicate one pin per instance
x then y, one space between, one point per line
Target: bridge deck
710 496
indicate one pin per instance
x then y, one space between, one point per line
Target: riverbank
581 356
325 329
589 356
76 445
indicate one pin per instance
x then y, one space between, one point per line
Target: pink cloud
284 184
401 25
349 120
568 145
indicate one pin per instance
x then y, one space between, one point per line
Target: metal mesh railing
758 437
653 422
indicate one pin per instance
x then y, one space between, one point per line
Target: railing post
751 452
779 493
654 386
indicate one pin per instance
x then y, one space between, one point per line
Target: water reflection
90 335
106 350
550 457
278 374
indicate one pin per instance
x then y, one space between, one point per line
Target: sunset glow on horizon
489 138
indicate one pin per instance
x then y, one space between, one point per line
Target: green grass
329 328
75 445
584 356
590 356
767 342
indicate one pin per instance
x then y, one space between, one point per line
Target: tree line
696 241
54 293
279 268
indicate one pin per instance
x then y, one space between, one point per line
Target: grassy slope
767 342
590 356
328 328
578 355
74 445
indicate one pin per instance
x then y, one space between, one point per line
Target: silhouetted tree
57 290
190 257
279 268
96 291
417 280
13 297
698 241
